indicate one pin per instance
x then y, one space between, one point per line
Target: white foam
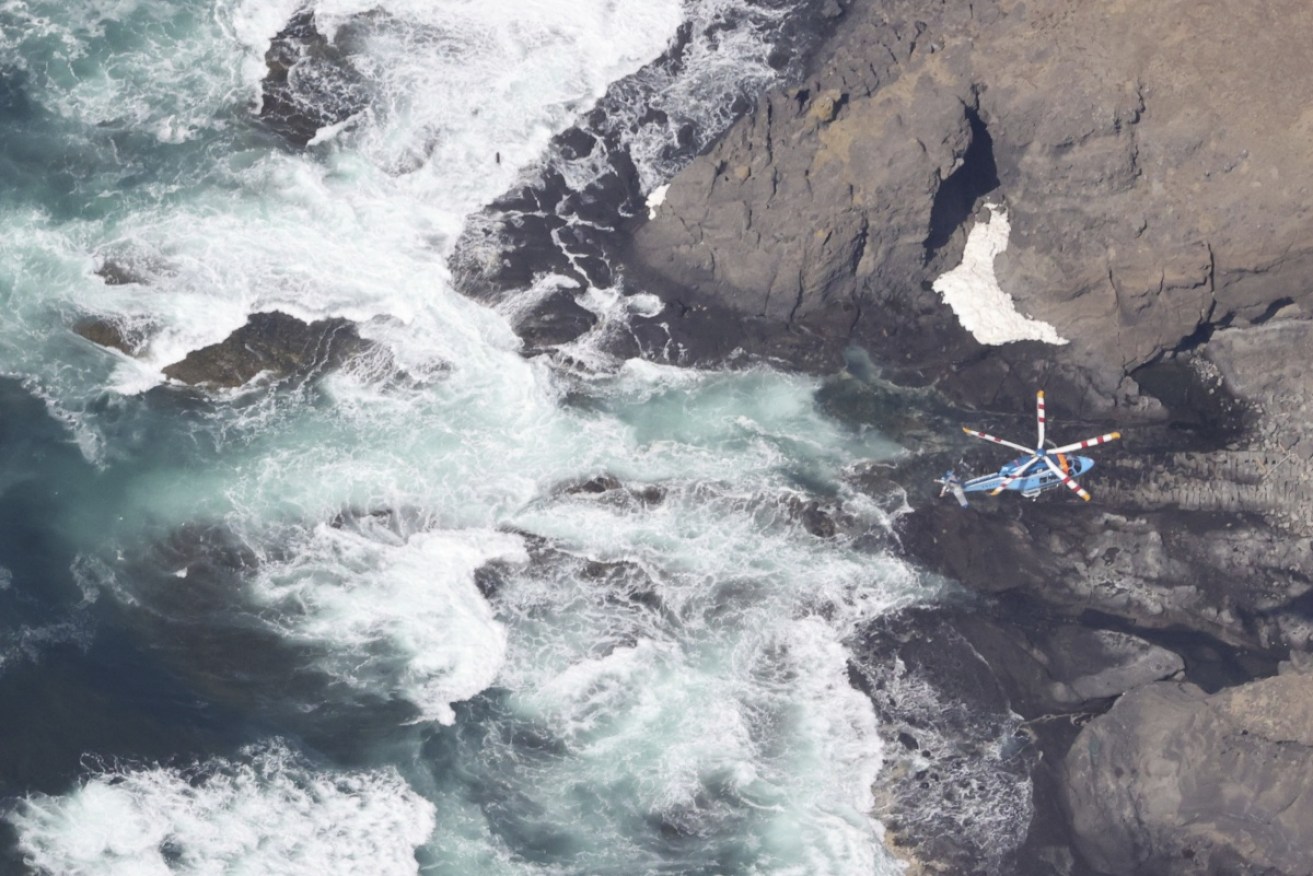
30 642
730 687
656 199
266 812
715 62
741 703
395 614
360 227
972 290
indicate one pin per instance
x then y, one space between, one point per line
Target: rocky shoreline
1109 680
1153 181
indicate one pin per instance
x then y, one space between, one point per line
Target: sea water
448 609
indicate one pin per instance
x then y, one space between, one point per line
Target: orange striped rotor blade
1068 480
1088 442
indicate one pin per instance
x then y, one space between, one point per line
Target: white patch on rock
972 291
656 199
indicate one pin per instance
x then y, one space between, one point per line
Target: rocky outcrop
1173 781
1156 190
274 345
1157 196
977 703
310 84
955 789
1203 520
116 334
570 215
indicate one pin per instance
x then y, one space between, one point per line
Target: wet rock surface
1157 196
556 225
112 333
275 345
980 701
955 791
1195 540
310 84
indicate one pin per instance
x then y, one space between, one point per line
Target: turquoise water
370 623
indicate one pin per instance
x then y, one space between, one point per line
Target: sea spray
599 576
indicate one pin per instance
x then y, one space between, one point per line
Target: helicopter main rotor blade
973 433
1039 416
1067 479
1088 442
1003 484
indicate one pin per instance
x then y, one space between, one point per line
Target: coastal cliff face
1156 187
1151 161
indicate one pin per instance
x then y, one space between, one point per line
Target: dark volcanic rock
954 750
1238 579
546 226
1158 194
978 703
1204 521
311 83
1174 781
274 344
554 319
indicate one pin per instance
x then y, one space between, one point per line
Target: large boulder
977 703
1172 780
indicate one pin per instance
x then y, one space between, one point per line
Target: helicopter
1040 469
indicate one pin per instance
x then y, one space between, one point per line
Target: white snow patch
656 199
972 289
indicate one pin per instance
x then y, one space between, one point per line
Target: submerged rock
273 344
955 790
112 333
556 319
610 489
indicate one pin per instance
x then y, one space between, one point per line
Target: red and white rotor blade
1088 442
973 433
1068 480
1039 417
1003 484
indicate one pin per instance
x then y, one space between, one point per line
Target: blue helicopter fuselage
1037 480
